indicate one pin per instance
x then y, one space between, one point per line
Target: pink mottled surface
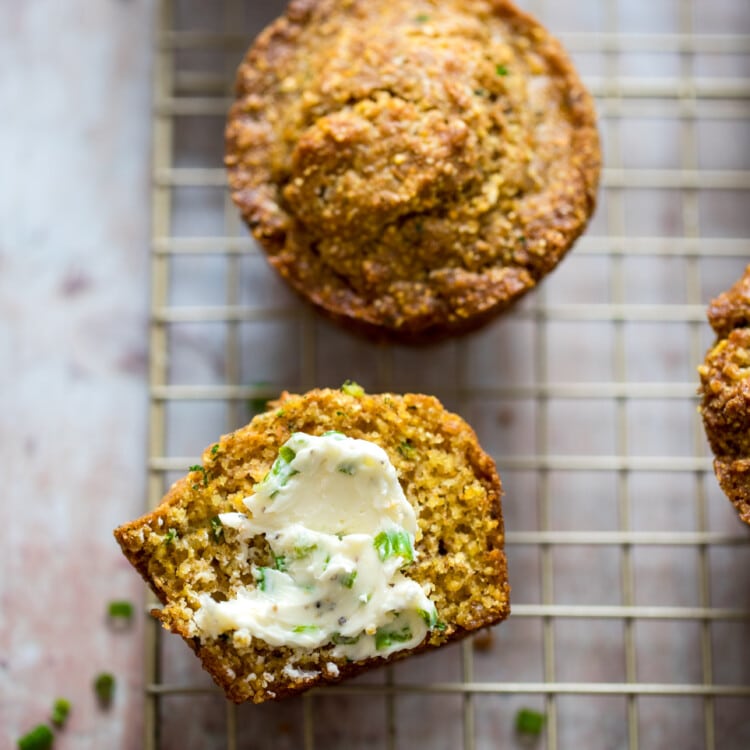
74 156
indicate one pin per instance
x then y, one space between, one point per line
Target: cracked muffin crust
411 167
725 388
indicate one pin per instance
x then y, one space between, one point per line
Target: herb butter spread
342 535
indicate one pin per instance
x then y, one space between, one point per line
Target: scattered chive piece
346 469
353 389
430 618
406 448
280 413
335 433
529 721
39 738
385 638
303 550
200 468
260 578
287 453
343 640
120 610
217 527
347 581
170 536
104 687
340 413
501 70
214 449
60 711
440 625
305 628
390 543
422 18
279 563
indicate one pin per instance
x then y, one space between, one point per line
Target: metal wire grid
686 97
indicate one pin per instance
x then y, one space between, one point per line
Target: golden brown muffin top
411 167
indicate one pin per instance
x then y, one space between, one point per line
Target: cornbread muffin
725 388
213 550
411 167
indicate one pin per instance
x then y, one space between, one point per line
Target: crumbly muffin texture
411 167
452 484
725 388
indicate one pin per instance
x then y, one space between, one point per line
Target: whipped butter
342 535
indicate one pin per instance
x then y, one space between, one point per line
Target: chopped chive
430 618
353 389
334 433
39 738
279 562
422 18
391 543
104 687
347 581
501 70
348 469
217 527
280 413
529 721
343 640
214 449
120 610
385 638
171 535
440 625
305 628
406 448
60 711
303 550
260 578
287 453
340 413
201 469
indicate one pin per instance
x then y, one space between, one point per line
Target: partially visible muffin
725 388
411 167
277 609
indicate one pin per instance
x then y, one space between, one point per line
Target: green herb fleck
440 625
104 687
39 738
348 469
287 453
343 640
390 543
335 433
303 550
340 413
280 413
120 610
202 470
60 711
170 536
279 562
422 18
214 449
353 389
260 578
305 628
430 618
385 638
501 70
217 527
347 580
529 721
406 449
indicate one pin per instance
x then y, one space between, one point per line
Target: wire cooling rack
630 572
